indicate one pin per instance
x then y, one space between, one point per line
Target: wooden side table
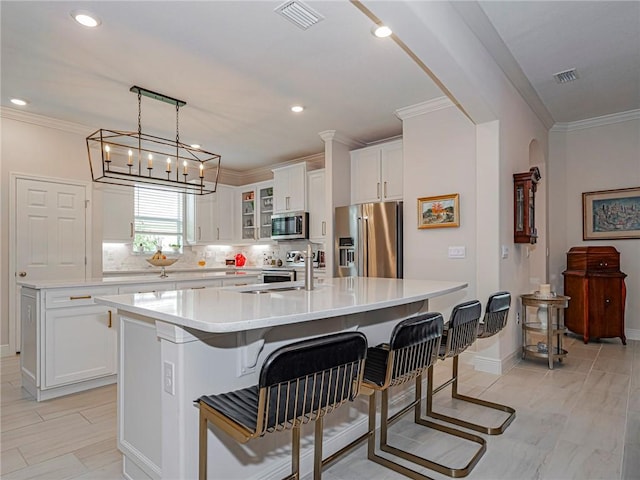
553 328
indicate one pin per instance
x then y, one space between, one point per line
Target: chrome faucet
308 269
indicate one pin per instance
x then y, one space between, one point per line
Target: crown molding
228 176
597 121
340 138
44 121
424 107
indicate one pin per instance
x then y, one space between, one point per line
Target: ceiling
240 67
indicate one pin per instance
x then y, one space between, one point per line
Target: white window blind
159 213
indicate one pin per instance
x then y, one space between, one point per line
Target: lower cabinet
69 343
80 344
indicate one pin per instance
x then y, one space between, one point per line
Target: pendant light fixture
140 159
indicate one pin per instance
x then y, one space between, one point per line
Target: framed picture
439 212
611 214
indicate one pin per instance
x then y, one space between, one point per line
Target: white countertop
137 279
222 310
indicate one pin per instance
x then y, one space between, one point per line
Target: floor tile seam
92 438
7 430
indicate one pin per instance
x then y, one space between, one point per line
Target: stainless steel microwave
290 226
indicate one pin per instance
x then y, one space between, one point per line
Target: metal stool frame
413 348
289 394
458 339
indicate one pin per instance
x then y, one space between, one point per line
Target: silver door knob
22 274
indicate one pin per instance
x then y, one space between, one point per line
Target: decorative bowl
162 262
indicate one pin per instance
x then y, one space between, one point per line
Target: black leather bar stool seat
412 349
463 329
298 383
496 314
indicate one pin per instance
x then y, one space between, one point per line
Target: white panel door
392 172
365 175
50 230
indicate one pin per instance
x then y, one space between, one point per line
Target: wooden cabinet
377 173
316 196
524 206
597 289
289 188
117 214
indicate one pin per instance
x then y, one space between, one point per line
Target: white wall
439 151
591 156
44 151
505 127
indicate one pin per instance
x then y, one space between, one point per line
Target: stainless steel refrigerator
368 240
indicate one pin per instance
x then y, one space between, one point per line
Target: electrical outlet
457 252
169 379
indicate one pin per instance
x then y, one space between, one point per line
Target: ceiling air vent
566 76
299 14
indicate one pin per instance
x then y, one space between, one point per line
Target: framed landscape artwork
611 214
438 212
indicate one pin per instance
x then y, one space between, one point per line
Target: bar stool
298 383
413 348
461 334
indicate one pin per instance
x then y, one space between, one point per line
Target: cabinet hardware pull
199 233
80 297
22 274
324 228
110 318
217 233
385 189
131 229
378 189
197 288
287 203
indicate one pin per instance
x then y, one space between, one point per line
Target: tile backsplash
119 257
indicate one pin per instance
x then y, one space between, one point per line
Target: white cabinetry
256 204
289 188
316 195
117 214
69 342
377 173
210 217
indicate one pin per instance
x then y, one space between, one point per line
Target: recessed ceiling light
195 145
381 31
86 19
297 108
19 101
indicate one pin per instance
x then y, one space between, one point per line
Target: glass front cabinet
524 206
256 210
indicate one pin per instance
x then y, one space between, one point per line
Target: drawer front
147 287
604 263
198 284
75 297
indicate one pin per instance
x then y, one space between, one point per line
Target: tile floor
578 421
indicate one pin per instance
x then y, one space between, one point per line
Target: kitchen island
175 346
68 343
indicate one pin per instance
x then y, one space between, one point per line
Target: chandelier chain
177 124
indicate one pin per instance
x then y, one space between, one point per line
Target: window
158 219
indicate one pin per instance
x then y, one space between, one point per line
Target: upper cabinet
377 173
289 188
117 214
316 196
208 216
256 207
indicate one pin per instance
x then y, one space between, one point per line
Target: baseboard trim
495 365
632 333
5 351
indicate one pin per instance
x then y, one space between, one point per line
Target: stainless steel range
273 275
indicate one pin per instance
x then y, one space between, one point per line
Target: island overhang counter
175 346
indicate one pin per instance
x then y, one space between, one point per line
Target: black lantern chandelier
140 159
